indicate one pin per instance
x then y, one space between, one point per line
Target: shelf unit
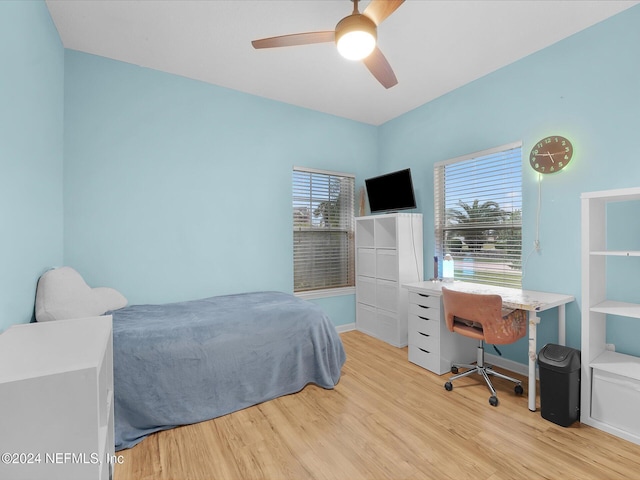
610 381
389 253
56 399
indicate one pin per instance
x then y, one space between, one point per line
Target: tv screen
393 191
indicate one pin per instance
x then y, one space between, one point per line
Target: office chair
481 317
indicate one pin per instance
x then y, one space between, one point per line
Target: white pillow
62 294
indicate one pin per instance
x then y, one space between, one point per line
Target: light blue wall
31 115
176 189
586 88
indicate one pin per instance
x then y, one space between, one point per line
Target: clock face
551 154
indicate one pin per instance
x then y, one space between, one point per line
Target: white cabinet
610 380
389 253
56 400
431 344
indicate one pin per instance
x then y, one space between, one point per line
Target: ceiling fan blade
295 39
380 68
378 10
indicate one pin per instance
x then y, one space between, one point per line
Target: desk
529 300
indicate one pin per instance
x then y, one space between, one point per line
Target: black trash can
559 369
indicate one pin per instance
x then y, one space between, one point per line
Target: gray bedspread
186 362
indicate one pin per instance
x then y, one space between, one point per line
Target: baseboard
347 327
519 368
507 364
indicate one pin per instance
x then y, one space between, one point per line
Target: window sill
329 292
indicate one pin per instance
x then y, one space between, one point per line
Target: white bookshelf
610 381
389 253
623 309
617 253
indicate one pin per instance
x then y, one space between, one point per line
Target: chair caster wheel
493 401
448 386
519 390
454 370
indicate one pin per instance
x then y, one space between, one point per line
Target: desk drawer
430 326
432 313
424 341
426 359
424 299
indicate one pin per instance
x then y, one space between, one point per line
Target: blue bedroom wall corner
31 154
176 189
591 98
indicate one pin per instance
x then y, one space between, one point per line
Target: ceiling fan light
356 36
356 45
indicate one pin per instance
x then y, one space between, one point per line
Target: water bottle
447 268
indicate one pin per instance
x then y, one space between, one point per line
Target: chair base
485 370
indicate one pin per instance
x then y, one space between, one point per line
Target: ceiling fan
355 36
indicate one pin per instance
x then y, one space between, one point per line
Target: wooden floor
387 418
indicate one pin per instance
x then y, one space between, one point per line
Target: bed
186 362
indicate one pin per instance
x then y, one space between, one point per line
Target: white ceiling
434 46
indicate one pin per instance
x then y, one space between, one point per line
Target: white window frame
509 251
348 228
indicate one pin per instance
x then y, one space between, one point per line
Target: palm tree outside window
478 215
323 230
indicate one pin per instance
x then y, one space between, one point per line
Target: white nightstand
56 400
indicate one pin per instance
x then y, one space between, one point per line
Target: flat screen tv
390 192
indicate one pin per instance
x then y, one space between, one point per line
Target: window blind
478 215
323 230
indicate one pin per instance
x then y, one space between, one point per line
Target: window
478 215
323 230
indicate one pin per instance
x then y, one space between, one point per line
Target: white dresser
56 400
389 253
431 344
